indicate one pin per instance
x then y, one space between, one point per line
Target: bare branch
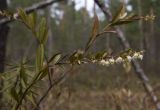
138 69
30 9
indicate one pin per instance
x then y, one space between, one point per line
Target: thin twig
30 9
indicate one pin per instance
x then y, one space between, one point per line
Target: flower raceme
118 60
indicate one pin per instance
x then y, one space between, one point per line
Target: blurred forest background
70 29
91 86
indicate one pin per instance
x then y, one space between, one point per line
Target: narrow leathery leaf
101 55
14 107
107 27
37 75
23 108
31 99
23 74
22 14
20 92
23 83
127 66
43 73
131 16
72 58
55 58
39 57
43 31
104 55
32 21
119 13
94 32
33 91
105 32
111 31
76 57
62 59
9 86
14 94
122 22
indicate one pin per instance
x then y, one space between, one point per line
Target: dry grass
100 89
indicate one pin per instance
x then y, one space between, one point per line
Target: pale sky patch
81 3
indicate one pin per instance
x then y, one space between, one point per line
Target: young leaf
39 57
23 75
14 94
121 22
93 33
42 33
32 21
43 73
22 14
55 58
30 97
119 13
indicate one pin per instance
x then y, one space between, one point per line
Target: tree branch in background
30 9
138 69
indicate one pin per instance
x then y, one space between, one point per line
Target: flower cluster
119 59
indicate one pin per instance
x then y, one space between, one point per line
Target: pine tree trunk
3 39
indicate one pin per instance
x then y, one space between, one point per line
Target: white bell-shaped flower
119 60
129 58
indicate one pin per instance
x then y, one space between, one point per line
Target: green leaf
23 75
32 21
22 14
93 33
43 73
55 58
42 33
14 94
31 99
39 57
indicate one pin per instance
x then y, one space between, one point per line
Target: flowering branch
126 45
